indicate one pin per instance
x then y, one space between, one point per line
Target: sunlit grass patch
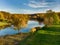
54 26
3 23
48 32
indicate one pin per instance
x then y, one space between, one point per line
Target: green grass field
46 36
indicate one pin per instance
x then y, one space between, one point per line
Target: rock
38 28
35 29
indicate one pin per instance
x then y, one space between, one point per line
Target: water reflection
10 30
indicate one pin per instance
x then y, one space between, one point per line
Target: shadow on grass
57 29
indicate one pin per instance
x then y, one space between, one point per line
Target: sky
29 6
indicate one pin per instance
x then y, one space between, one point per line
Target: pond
11 31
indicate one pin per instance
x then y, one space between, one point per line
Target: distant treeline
20 20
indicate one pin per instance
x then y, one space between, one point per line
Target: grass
49 32
46 36
3 23
54 26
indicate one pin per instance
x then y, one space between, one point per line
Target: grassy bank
46 36
3 23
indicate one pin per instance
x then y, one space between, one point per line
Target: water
11 31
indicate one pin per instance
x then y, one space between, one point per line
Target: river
11 31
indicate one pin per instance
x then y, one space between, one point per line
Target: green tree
56 19
51 14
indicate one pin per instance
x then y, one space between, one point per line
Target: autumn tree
19 21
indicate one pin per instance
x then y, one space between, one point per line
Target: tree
19 21
53 18
56 19
49 16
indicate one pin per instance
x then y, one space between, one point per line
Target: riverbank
12 39
4 25
46 36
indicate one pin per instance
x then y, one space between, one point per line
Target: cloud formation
29 6
37 4
28 11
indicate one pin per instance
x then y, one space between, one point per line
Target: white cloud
23 11
56 8
27 11
36 4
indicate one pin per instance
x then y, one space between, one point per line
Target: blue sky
29 6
